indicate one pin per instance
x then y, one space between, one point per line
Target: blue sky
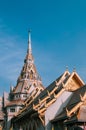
58 38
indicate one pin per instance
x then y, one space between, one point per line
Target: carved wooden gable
74 82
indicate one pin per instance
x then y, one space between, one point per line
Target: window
17 96
25 96
12 109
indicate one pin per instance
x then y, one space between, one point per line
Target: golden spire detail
29 42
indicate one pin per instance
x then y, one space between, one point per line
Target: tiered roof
29 78
50 94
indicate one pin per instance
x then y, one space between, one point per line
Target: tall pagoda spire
29 57
29 78
29 42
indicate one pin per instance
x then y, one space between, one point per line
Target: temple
31 106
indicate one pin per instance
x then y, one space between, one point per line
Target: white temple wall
56 108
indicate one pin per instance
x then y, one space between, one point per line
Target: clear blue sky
58 38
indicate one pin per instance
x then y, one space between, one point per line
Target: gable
74 82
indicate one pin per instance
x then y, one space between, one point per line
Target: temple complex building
31 106
48 104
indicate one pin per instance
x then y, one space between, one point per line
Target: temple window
17 96
12 109
25 96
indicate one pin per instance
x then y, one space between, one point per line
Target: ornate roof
50 94
29 78
75 111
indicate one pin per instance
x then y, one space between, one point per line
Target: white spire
29 43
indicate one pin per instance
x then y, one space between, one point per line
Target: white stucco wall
10 115
56 108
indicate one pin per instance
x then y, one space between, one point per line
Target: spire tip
29 42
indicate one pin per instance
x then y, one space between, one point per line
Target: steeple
29 57
29 43
29 79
